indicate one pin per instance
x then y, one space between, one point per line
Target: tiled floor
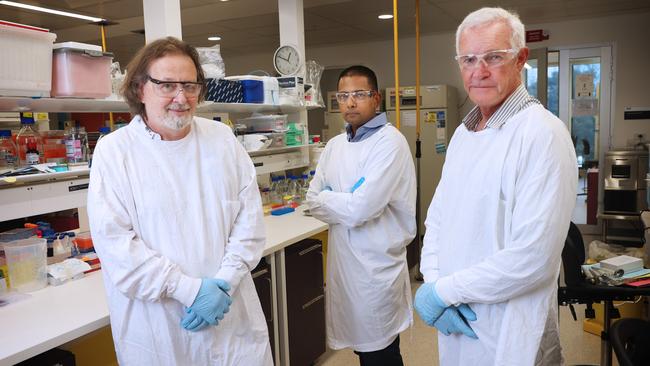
419 344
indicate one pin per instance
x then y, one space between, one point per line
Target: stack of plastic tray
25 60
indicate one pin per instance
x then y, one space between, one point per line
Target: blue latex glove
192 322
451 321
211 303
357 184
428 304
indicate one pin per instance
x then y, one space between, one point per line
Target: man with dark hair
176 219
364 188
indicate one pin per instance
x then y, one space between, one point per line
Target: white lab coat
163 215
494 237
368 300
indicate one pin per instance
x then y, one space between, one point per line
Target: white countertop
285 230
58 314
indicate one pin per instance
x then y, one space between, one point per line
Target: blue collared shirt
367 129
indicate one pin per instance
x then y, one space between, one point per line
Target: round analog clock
286 60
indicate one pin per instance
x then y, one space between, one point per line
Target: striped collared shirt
517 101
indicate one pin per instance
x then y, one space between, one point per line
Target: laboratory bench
59 314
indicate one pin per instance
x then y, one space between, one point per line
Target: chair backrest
630 339
573 256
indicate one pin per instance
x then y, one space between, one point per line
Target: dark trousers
388 356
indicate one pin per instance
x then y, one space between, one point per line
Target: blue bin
253 91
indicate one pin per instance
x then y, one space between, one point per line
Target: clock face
286 60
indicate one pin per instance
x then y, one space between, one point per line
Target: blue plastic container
253 91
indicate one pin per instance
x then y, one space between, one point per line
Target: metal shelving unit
72 105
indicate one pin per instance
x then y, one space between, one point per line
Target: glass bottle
295 190
8 152
76 145
304 187
276 194
32 155
29 138
283 185
103 131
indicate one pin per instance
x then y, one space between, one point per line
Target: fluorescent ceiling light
527 66
215 38
51 11
385 16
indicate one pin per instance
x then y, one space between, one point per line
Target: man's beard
176 122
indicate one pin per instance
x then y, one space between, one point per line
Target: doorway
585 85
575 84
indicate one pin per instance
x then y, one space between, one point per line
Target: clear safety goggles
491 59
170 89
359 95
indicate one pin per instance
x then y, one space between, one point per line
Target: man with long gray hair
500 215
176 219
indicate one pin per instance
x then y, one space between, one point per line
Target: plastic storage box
253 91
25 60
27 263
278 139
253 87
54 146
265 123
81 70
84 242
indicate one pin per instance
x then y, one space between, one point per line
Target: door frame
541 55
606 52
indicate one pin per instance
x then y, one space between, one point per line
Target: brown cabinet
305 302
262 279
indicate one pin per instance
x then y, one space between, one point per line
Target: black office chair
578 291
631 341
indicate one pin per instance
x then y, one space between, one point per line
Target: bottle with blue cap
8 151
29 141
103 131
304 187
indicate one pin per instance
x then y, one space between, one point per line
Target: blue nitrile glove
192 322
357 184
212 301
428 304
451 321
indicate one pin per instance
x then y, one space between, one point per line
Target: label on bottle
7 158
73 150
31 158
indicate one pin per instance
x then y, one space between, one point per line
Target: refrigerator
334 122
438 121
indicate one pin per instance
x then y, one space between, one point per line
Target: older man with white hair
498 220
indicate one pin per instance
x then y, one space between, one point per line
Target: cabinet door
304 272
262 279
305 302
307 332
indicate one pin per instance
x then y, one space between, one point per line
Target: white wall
628 33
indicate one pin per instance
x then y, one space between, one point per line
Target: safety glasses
359 95
170 89
491 59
